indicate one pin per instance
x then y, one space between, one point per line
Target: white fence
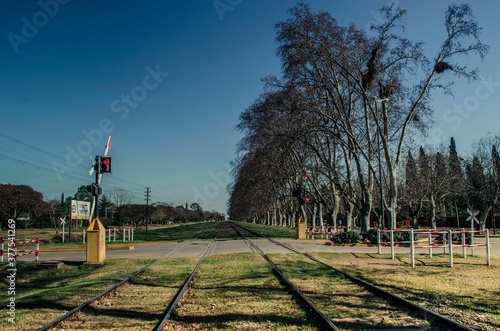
113 233
447 243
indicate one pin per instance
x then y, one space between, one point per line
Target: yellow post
301 228
96 242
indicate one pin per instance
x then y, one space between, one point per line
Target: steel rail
432 317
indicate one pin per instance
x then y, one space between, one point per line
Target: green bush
371 236
457 237
350 237
403 236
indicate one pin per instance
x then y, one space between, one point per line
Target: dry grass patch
468 292
238 292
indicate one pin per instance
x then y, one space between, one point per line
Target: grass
179 232
238 292
271 231
137 305
41 295
346 304
468 292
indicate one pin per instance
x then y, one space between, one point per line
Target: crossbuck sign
472 218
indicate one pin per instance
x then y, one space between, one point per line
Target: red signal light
105 164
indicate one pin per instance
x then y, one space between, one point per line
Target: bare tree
120 196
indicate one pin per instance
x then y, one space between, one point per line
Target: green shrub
403 236
457 237
350 237
371 236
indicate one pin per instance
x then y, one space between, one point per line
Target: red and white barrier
325 231
36 251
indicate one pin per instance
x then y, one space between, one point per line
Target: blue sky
168 80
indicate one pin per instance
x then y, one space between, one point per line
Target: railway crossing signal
105 164
94 189
472 216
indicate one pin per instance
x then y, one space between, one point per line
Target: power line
45 166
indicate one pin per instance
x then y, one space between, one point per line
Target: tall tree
17 200
457 180
414 192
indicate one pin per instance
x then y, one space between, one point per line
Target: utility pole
147 195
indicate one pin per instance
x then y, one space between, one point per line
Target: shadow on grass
220 321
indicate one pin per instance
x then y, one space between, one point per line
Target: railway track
316 314
437 321
88 310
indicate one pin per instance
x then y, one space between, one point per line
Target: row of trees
439 184
346 112
31 209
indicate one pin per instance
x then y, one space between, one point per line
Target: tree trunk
432 211
320 215
313 216
348 215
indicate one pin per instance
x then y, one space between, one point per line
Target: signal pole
98 185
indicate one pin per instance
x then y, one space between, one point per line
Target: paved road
237 246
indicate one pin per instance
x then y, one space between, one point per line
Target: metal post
488 253
63 224
464 244
444 241
147 196
472 239
451 248
429 242
392 244
378 242
412 245
97 182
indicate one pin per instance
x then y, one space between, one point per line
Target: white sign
80 210
472 216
